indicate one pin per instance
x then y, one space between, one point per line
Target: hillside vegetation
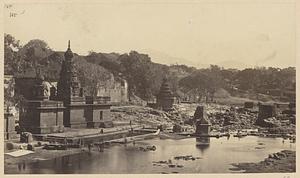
145 77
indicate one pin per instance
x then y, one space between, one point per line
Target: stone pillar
9 125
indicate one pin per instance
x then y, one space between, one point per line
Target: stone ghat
86 135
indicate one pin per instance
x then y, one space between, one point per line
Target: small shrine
202 123
165 98
38 114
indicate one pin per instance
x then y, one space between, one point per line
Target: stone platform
73 134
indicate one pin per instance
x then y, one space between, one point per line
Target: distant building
116 89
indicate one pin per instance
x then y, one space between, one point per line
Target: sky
244 33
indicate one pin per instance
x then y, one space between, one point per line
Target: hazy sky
233 33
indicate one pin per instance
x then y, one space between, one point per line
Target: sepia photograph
149 87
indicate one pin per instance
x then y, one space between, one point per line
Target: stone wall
116 89
9 126
41 117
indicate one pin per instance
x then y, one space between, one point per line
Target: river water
216 158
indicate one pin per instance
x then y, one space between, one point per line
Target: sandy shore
284 161
39 154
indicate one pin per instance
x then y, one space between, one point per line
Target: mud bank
284 161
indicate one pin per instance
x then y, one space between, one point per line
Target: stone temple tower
70 92
68 86
165 98
80 111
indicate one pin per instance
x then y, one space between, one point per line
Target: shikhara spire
69 54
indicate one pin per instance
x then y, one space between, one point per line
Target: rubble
223 118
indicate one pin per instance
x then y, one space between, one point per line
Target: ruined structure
265 111
80 112
165 98
202 122
38 114
116 88
202 127
9 125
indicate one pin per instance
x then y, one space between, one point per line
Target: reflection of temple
202 147
202 126
165 98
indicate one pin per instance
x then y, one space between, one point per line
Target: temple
38 114
65 107
202 122
165 98
80 111
202 127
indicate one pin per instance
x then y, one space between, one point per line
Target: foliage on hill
144 76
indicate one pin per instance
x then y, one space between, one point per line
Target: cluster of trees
144 77
206 82
37 58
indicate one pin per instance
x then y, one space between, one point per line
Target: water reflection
202 148
202 143
216 157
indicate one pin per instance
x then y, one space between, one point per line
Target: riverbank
284 161
40 154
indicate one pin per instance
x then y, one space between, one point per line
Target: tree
12 61
138 72
198 82
91 76
35 54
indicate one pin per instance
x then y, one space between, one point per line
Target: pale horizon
198 34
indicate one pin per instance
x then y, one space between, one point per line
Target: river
216 158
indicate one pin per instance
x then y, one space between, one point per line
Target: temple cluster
65 107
